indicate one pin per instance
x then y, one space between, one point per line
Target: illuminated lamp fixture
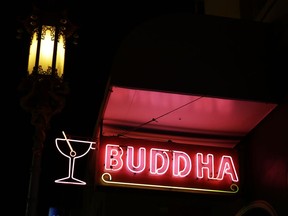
44 87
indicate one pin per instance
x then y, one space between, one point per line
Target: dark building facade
239 57
217 57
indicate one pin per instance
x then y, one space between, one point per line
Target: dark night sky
101 28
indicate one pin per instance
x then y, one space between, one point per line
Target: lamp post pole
44 98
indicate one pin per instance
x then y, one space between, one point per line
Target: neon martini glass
72 149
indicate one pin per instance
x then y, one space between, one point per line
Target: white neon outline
233 187
204 165
154 153
176 164
109 158
225 167
141 159
70 179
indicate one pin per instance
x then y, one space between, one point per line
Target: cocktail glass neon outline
70 179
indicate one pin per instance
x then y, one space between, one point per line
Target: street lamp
44 88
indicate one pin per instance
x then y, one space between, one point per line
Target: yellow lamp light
47 51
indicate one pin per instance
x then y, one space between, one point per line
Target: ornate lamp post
43 87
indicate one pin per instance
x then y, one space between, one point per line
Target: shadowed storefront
184 80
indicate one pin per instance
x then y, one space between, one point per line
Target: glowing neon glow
177 158
107 178
155 156
227 167
179 167
72 149
207 165
113 157
141 159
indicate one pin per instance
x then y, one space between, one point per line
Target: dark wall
130 202
200 55
266 173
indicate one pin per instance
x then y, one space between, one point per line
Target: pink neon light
227 167
159 162
179 156
141 159
207 165
155 156
113 157
174 165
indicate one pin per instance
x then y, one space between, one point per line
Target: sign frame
138 163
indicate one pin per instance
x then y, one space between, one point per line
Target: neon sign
72 149
166 166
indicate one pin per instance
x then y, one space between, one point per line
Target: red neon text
158 161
